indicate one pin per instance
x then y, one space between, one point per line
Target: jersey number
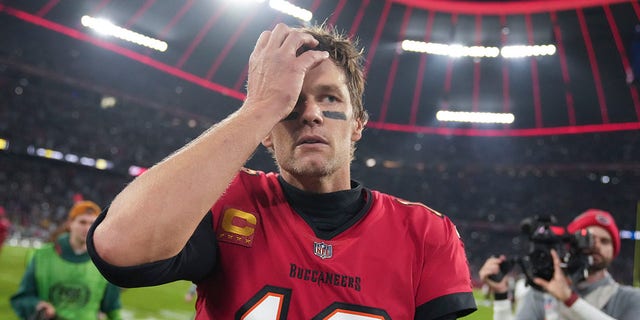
272 303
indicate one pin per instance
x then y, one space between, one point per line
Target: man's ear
266 141
358 127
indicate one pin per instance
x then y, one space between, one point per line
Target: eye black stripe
335 115
328 114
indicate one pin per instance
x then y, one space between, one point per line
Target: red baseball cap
600 218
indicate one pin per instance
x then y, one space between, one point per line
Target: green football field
164 302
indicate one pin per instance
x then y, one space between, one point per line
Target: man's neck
78 247
327 184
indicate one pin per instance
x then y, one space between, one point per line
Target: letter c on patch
231 226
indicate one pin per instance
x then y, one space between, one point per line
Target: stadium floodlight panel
458 50
289 8
527 51
103 164
451 50
70 157
87 161
475 117
105 27
49 153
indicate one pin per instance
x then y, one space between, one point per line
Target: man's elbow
108 247
125 249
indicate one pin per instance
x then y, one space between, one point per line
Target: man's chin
598 265
310 169
311 164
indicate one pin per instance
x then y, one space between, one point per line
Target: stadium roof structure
588 85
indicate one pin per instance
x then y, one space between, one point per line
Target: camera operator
596 297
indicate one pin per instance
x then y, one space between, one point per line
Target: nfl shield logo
322 250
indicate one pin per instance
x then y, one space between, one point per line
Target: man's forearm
583 310
153 217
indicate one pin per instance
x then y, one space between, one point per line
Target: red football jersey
271 265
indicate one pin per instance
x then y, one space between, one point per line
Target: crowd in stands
37 193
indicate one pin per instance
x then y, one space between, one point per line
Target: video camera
543 236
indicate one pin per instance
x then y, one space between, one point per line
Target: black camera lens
542 263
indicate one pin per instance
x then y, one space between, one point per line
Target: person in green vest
61 282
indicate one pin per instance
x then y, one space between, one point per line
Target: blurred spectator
61 282
191 293
5 225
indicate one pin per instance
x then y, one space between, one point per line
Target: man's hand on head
277 69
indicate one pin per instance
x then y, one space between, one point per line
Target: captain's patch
237 227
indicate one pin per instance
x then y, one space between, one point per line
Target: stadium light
87 161
475 117
105 27
49 153
291 9
630 234
370 163
70 157
528 51
136 171
108 102
101 164
452 50
458 50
